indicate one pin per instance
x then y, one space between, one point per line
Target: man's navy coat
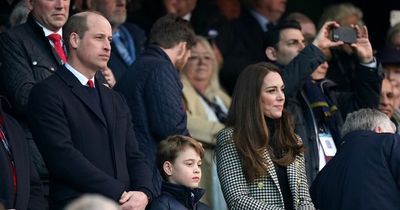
88 145
364 174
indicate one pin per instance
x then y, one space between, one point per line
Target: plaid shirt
264 192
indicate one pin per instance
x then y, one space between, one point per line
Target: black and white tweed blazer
264 192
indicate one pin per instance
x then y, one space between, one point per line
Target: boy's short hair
169 148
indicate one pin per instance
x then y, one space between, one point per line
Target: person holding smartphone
319 105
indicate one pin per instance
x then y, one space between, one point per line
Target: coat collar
292 174
78 90
189 197
31 21
154 50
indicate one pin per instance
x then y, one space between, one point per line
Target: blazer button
52 68
34 63
260 185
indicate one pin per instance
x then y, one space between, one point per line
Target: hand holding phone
345 34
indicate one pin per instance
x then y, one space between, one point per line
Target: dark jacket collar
349 137
68 77
77 88
38 30
33 22
189 197
154 50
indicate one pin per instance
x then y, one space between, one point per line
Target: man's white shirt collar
82 79
47 32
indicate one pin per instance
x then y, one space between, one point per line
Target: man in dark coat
153 89
83 129
365 172
20 184
247 47
28 57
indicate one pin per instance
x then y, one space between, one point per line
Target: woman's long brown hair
251 135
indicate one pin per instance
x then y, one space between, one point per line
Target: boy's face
185 170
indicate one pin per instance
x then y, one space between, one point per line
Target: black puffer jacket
178 197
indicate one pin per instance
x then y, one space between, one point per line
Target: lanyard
5 144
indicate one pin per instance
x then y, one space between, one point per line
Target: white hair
367 119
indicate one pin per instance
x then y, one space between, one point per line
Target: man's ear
378 129
168 168
270 52
74 40
181 49
30 4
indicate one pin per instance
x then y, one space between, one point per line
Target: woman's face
272 96
199 65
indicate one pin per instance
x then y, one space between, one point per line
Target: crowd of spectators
195 104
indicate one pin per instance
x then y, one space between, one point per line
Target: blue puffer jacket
178 197
153 91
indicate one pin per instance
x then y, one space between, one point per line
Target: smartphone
345 34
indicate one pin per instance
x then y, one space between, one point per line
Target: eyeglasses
197 57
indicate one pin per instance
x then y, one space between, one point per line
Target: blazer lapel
78 91
85 98
272 172
44 39
107 101
294 181
109 109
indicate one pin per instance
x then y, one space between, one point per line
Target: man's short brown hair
170 30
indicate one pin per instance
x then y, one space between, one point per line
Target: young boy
179 161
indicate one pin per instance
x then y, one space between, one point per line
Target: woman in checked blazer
259 157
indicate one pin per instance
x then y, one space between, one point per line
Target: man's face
185 6
179 7
392 71
395 40
309 31
289 46
274 8
52 14
396 93
113 10
386 98
93 49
